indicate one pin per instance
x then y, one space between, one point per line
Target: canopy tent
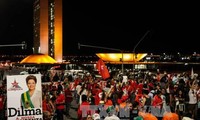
38 59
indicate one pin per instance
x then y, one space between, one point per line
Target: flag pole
192 73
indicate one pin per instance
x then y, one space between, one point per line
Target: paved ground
73 111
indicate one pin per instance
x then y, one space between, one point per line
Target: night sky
171 27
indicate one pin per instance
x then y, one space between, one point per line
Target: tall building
47 25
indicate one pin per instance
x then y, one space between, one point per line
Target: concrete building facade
47 28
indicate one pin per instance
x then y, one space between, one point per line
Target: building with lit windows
47 28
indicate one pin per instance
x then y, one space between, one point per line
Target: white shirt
151 94
36 99
78 87
112 117
174 79
192 96
80 96
187 118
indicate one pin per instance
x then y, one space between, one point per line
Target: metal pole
23 45
92 46
134 54
11 45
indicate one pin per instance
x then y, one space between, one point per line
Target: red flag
103 70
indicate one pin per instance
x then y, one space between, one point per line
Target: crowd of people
158 96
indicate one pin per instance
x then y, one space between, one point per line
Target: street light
134 54
23 45
79 47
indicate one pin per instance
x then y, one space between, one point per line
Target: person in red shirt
157 100
47 107
140 87
1 102
130 89
77 81
46 113
97 95
95 87
68 100
139 99
134 84
60 105
84 108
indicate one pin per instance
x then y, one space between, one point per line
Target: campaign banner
24 97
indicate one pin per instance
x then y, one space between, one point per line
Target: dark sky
171 27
